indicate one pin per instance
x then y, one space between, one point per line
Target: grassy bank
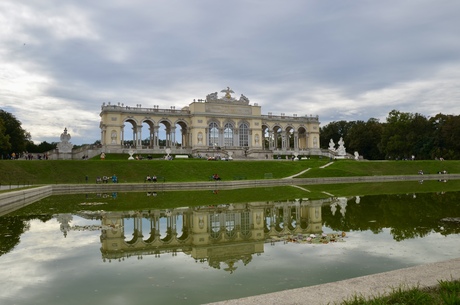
131 171
447 293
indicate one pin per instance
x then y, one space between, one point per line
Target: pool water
202 254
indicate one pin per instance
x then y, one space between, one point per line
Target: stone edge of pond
422 276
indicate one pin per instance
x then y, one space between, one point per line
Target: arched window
230 224
215 225
245 224
228 134
244 134
213 134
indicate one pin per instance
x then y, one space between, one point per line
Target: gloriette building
221 125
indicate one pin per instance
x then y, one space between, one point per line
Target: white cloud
351 60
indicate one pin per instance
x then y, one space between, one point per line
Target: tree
364 138
334 131
13 133
44 146
446 136
419 136
5 144
394 144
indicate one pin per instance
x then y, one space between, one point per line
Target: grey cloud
340 60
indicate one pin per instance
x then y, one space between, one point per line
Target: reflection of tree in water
11 229
408 215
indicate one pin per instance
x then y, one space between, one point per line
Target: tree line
402 136
15 139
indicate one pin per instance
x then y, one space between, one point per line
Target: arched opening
148 134
266 137
302 132
277 137
288 138
181 135
129 139
132 229
165 135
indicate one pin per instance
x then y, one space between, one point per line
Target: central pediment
227 98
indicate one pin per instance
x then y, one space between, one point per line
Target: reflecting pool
93 251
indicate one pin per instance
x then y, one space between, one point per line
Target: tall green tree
394 143
13 132
5 144
446 136
419 136
364 138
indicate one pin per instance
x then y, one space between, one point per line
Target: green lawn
132 171
347 168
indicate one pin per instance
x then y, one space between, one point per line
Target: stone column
139 136
296 140
103 133
173 136
270 140
221 137
122 136
134 136
151 136
283 140
156 140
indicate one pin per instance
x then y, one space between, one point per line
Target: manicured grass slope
347 168
131 171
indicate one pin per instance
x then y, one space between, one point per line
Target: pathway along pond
98 252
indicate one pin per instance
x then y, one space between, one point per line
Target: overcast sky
340 60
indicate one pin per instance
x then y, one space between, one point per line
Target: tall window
213 134
230 224
215 225
244 134
228 134
245 224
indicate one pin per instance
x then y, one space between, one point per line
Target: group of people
151 178
216 177
420 172
25 155
105 179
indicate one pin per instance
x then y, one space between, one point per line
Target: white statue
331 145
244 99
211 97
65 146
113 136
341 150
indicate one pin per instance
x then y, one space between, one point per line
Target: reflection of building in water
213 234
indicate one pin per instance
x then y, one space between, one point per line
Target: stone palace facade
219 125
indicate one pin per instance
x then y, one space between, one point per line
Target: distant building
217 126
